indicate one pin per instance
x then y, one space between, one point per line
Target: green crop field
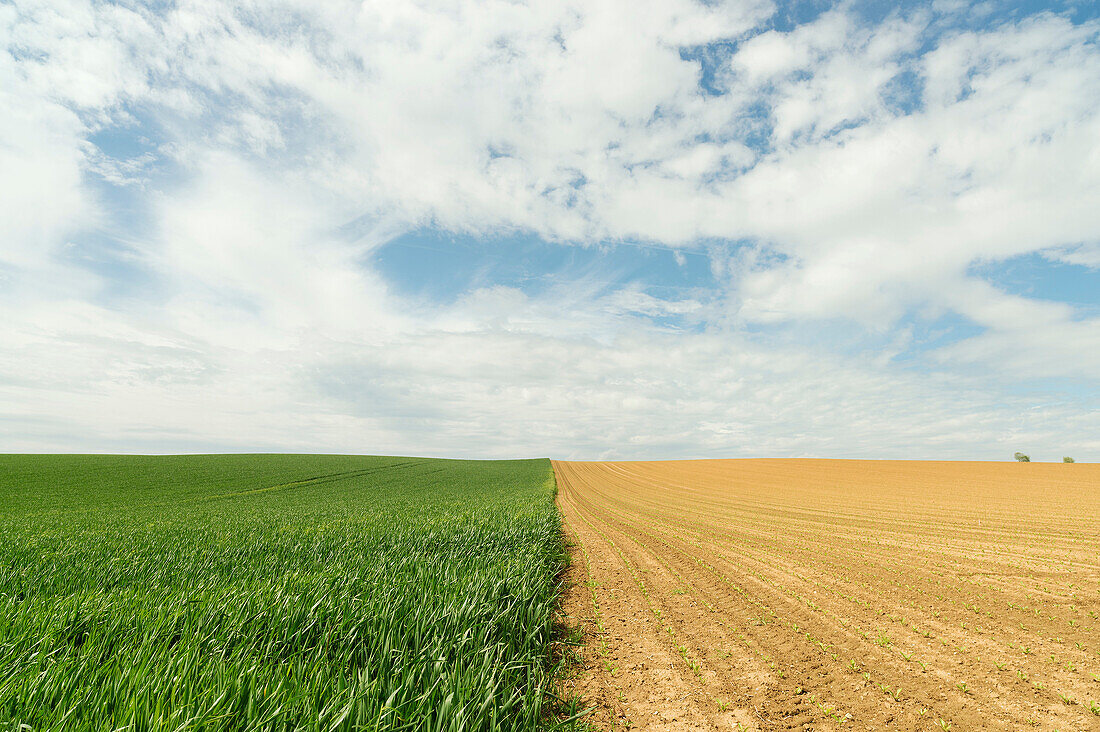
275 592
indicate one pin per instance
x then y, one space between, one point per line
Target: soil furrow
795 594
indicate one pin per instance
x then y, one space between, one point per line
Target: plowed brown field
836 594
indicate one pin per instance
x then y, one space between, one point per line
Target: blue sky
584 229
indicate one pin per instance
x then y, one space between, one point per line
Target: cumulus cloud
858 167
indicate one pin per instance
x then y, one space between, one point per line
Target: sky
601 229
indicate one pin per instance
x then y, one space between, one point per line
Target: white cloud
515 385
868 173
1085 255
768 55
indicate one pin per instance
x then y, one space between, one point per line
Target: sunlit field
838 594
275 592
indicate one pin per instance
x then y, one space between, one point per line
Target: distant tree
1067 460
1022 458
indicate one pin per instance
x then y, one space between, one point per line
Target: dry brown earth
836 594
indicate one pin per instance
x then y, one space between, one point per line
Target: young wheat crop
275 592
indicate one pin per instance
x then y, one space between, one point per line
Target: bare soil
836 594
